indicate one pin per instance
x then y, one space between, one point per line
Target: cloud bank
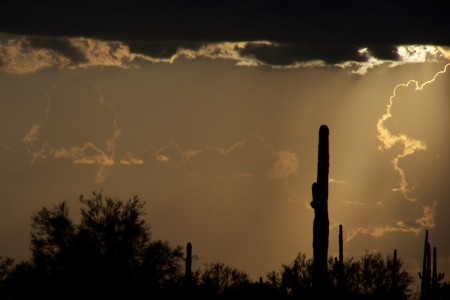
24 55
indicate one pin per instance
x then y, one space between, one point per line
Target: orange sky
223 148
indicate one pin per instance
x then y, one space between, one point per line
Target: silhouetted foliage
219 279
6 264
294 279
162 271
6 267
110 255
368 278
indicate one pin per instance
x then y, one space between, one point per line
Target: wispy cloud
88 153
333 180
426 220
130 159
250 157
286 164
409 144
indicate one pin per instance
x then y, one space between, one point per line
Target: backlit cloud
409 145
19 57
88 152
425 221
130 159
22 55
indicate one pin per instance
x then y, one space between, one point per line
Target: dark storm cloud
60 45
162 50
356 21
288 54
331 31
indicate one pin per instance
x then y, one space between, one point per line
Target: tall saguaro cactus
340 263
436 277
341 246
188 266
394 273
426 270
429 288
321 222
395 292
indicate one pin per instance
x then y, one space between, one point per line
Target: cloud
378 231
332 180
297 31
44 139
88 154
409 145
426 220
23 55
285 165
130 159
20 57
357 22
249 157
32 135
445 51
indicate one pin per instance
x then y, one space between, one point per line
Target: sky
209 112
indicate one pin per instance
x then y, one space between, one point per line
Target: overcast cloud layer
302 30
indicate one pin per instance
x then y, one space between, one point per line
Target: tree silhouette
371 277
218 279
108 255
366 278
162 271
296 277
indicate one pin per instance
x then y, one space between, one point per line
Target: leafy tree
371 277
114 232
163 268
368 278
6 267
295 278
108 255
218 279
51 236
6 264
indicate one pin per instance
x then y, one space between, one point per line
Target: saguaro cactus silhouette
429 288
394 274
395 293
436 277
188 266
339 265
426 270
321 222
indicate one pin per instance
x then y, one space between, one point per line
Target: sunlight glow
410 145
